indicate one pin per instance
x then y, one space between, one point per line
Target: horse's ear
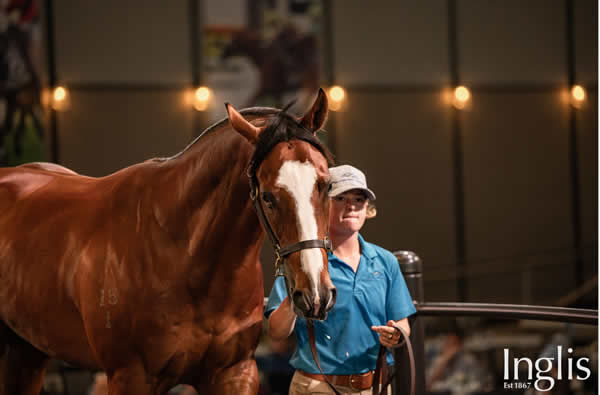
243 127
316 116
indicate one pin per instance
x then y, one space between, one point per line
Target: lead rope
381 365
313 347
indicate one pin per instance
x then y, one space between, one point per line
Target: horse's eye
268 198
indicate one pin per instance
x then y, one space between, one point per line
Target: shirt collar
366 248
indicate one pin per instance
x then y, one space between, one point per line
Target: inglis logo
545 370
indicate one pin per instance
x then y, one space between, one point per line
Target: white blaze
299 180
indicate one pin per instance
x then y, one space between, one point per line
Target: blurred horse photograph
152 273
287 63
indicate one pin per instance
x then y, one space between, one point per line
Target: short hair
371 210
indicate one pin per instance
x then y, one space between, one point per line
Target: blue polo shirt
373 295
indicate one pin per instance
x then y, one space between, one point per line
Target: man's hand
389 336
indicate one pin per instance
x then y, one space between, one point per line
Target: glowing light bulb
461 97
462 94
60 99
201 98
578 93
60 94
337 93
202 93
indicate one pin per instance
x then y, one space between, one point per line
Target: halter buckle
278 263
253 192
327 243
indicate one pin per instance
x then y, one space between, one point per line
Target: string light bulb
59 100
59 93
337 95
461 97
201 99
578 95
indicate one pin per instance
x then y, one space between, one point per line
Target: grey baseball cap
345 178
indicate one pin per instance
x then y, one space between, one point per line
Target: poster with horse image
21 129
267 54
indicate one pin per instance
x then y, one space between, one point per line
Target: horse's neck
213 195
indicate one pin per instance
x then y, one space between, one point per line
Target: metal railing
509 311
411 267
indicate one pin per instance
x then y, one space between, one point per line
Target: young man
372 299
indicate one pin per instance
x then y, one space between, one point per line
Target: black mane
282 128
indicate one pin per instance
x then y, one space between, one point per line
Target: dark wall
128 66
513 156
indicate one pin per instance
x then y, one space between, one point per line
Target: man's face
348 212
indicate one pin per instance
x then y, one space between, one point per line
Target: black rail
509 311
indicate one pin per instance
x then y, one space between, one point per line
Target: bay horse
152 273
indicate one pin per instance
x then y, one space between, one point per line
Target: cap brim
340 190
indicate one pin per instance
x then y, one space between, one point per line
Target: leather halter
281 252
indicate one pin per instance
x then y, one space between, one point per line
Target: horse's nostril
333 298
298 298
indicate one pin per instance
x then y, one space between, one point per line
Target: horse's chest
208 349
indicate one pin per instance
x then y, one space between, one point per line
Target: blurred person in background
273 364
452 368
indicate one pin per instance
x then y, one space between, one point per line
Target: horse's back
48 166
45 202
18 183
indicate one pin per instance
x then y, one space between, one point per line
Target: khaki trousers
302 385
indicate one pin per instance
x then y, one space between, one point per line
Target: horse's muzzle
308 305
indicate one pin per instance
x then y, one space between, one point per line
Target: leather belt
358 382
382 378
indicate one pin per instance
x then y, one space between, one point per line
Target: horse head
243 43
290 183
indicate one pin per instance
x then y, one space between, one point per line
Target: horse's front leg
241 378
129 380
22 366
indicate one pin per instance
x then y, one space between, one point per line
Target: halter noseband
281 252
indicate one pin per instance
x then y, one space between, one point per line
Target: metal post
457 159
573 150
52 79
411 267
327 36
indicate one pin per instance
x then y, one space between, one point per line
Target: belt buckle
352 383
358 378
